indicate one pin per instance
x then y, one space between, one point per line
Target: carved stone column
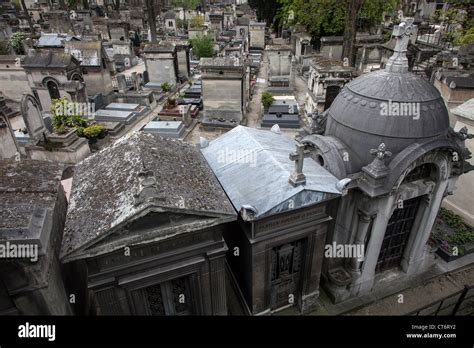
363 228
217 280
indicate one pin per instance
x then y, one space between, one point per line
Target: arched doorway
403 221
53 89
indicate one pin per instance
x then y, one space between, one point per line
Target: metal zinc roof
253 167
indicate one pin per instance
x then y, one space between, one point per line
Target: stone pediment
149 226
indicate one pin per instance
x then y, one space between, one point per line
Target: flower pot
92 140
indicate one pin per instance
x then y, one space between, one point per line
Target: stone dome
369 105
363 115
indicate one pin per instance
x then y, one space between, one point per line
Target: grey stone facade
32 284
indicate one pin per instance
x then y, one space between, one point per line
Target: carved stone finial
381 152
398 62
463 134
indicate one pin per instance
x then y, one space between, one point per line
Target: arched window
424 171
53 90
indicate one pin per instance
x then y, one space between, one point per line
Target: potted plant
166 87
92 132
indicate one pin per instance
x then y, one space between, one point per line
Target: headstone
122 83
8 145
139 81
31 112
98 101
134 81
146 77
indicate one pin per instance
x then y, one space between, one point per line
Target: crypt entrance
399 227
286 270
174 297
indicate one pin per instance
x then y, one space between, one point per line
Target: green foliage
93 130
203 46
456 16
327 17
16 41
186 4
462 234
267 99
16 4
266 9
61 120
197 21
166 87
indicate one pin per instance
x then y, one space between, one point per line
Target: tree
28 17
197 21
352 10
151 19
330 17
203 47
266 9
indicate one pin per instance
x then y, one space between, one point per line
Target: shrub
166 87
267 99
61 120
93 131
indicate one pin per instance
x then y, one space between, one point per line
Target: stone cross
297 177
398 62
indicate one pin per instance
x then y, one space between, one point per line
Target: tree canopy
327 17
203 47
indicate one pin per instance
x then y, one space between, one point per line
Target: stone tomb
125 113
105 115
44 145
171 224
167 129
162 64
32 213
281 236
283 112
223 85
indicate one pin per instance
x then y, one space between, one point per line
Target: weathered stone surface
108 186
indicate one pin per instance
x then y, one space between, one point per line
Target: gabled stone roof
107 187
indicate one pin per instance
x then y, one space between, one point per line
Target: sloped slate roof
24 186
105 187
54 39
49 59
253 167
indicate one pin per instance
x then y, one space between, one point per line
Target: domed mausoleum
388 131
